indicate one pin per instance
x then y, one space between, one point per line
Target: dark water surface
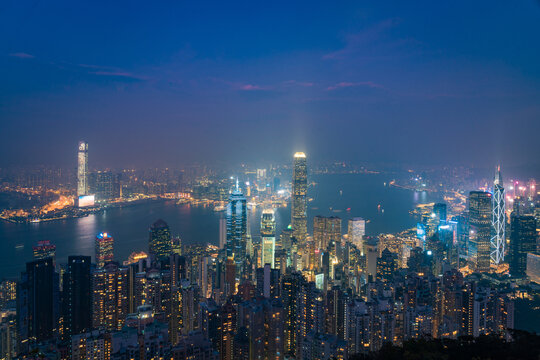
198 224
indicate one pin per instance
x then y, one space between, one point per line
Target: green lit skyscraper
160 240
299 197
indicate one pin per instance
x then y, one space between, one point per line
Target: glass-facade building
299 197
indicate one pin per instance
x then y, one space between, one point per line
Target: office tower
533 267
82 169
357 231
371 259
299 197
268 237
104 249
44 249
222 232
387 265
326 232
77 297
176 245
38 298
110 300
105 185
159 242
439 210
480 204
522 241
237 228
498 239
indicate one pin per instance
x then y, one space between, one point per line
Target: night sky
166 83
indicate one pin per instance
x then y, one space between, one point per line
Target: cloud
298 83
120 74
22 55
344 84
354 42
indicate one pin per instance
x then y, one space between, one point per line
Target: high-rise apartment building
480 204
110 298
299 197
104 249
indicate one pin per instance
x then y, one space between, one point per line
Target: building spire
498 178
237 188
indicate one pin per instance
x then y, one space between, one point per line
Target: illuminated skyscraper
82 169
237 228
480 204
160 242
522 242
44 249
268 237
498 219
357 231
299 197
104 249
110 297
326 231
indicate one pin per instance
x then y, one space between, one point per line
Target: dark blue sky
170 82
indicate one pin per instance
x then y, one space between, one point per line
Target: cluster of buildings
294 295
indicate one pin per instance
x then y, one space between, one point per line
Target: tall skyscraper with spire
299 197
82 169
237 228
498 219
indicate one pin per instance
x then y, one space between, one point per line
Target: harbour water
352 195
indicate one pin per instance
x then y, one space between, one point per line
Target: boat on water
219 208
19 246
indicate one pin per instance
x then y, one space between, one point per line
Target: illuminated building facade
522 242
268 237
299 197
104 249
480 204
44 249
110 298
357 231
326 231
160 241
82 169
237 228
498 239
